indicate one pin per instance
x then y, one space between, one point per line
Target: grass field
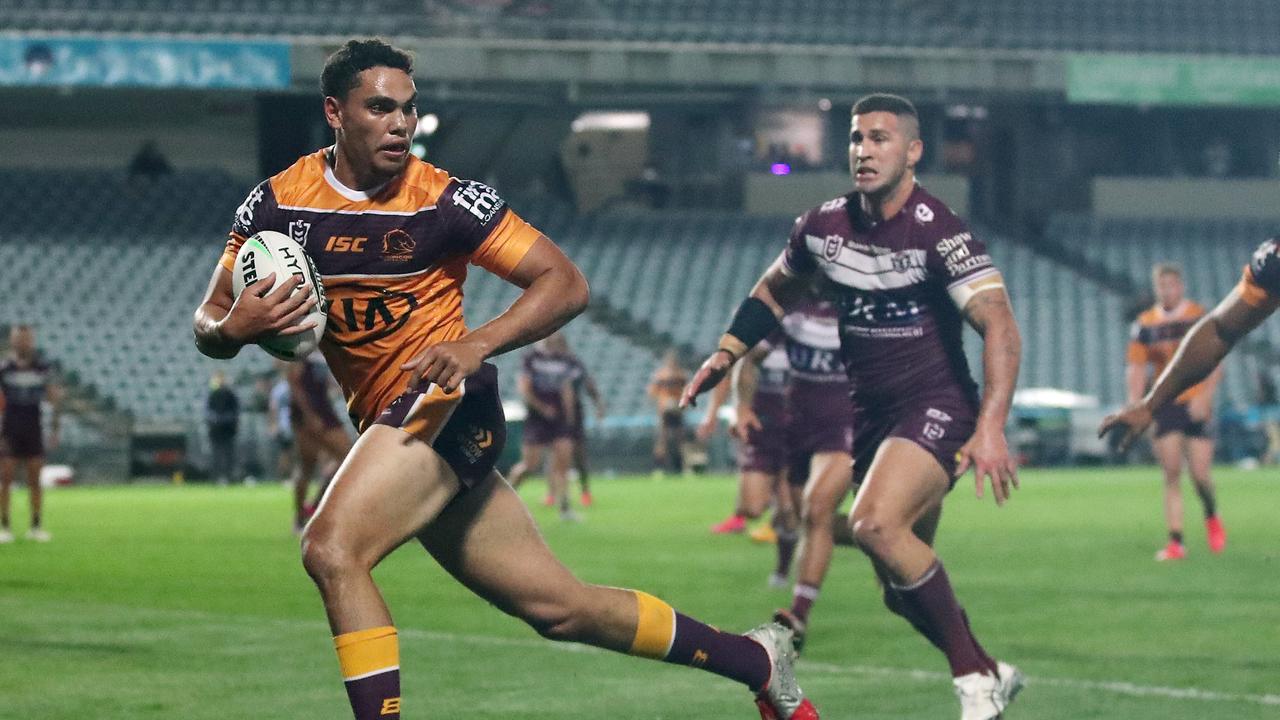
190 602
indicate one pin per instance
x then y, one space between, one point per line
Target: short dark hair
342 69
884 102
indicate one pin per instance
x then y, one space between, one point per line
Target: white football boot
781 698
39 535
1011 682
6 537
980 696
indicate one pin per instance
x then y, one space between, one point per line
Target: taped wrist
752 322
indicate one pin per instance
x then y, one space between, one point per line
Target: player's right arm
1137 362
785 281
223 324
1204 347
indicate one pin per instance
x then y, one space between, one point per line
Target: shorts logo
478 199
298 230
398 246
474 442
831 250
923 213
938 415
933 431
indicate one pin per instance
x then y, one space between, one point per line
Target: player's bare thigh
489 542
830 477
335 442
756 488
388 488
904 485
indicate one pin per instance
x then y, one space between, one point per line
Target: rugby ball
273 252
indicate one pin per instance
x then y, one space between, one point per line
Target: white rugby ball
273 252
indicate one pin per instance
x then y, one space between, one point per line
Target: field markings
1115 687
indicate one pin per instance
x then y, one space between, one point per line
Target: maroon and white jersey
549 372
775 369
819 387
899 286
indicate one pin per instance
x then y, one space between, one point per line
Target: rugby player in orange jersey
1203 348
391 237
1185 427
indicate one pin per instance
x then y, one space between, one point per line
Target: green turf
163 602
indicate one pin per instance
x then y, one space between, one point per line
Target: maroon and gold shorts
467 427
1175 417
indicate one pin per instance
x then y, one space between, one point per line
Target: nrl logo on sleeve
298 230
831 250
478 199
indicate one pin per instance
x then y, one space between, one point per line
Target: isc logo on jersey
272 252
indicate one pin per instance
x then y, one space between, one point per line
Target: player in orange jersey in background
1184 428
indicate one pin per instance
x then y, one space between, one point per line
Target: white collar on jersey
343 190
1174 312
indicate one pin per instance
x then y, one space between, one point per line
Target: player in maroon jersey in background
905 274
318 433
548 382
26 380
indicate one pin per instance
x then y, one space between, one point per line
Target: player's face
882 148
1169 290
22 340
376 121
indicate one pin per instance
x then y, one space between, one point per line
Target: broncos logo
398 245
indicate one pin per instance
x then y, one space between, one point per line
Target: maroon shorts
22 442
940 423
765 450
1176 418
467 427
817 428
539 430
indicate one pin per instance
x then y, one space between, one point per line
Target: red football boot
1217 534
732 525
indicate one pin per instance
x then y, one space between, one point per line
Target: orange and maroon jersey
392 261
1155 337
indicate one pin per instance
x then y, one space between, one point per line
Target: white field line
1116 687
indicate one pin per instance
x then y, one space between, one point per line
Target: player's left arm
988 311
555 291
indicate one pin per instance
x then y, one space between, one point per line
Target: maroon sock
989 661
736 657
934 603
893 600
802 600
786 551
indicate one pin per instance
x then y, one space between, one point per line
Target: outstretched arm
987 451
1203 348
554 293
776 290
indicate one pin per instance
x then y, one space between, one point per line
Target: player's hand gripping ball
271 252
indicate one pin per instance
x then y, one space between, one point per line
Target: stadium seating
1225 27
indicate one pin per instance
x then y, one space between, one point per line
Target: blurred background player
279 427
759 386
319 435
548 384
426 401
664 390
819 440
26 380
906 273
1183 428
222 421
584 385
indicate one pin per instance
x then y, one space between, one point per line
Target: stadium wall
1185 198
